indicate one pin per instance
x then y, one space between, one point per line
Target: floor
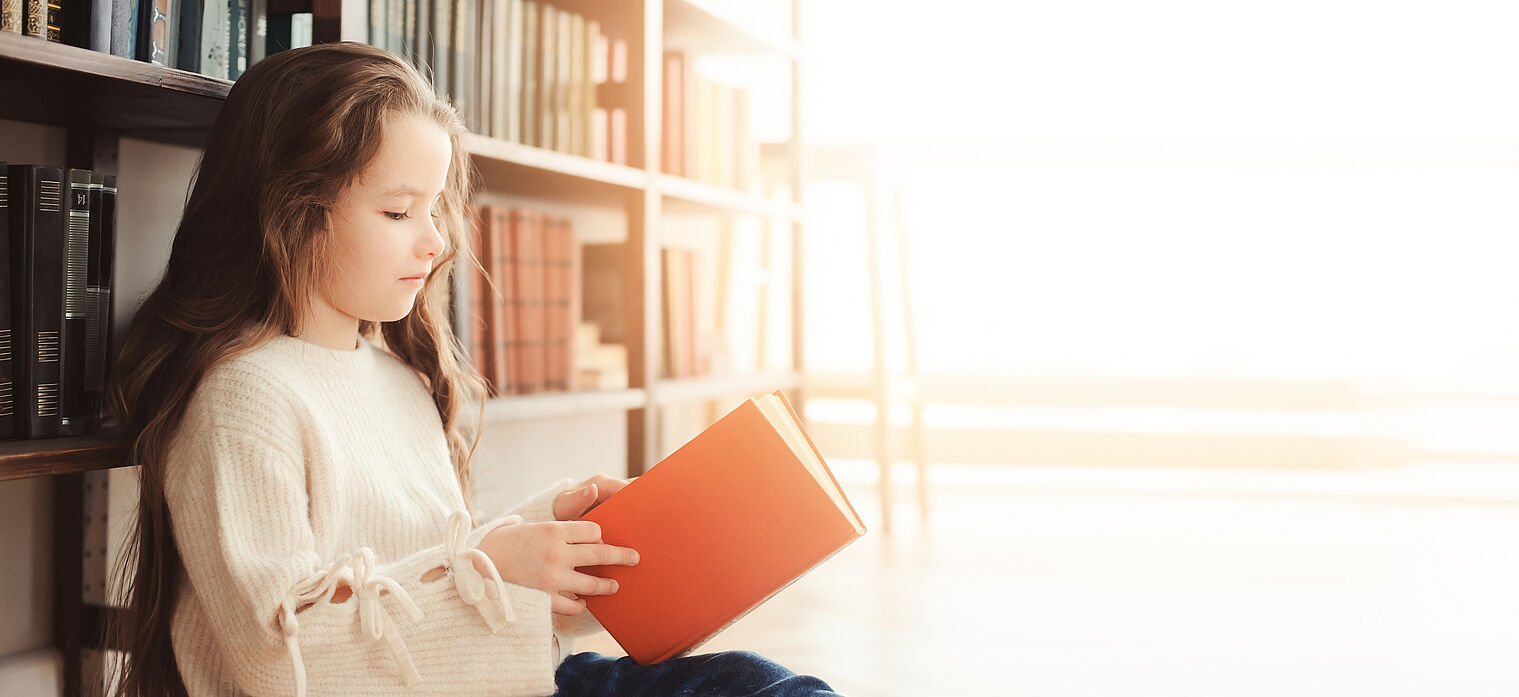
1090 585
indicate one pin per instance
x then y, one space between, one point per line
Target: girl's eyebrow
402 190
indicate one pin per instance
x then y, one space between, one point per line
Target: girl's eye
396 216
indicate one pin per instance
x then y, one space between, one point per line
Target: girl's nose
432 242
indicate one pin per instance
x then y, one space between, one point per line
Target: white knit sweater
298 469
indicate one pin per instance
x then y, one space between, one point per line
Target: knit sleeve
236 487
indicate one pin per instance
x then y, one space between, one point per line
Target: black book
37 258
7 360
76 253
99 280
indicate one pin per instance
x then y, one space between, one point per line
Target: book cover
76 246
36 294
7 355
721 525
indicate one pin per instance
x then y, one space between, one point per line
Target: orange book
720 526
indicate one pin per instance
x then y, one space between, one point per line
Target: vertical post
76 626
645 63
798 155
875 216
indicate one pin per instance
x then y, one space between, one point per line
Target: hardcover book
76 251
720 526
7 354
36 294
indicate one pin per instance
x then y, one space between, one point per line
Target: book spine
563 51
529 128
153 39
187 53
7 345
481 299
237 38
500 264
214 35
464 16
258 30
548 31
442 47
11 16
34 18
517 309
480 66
98 287
37 248
75 302
506 52
55 21
100 25
123 28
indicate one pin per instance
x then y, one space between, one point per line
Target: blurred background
1190 325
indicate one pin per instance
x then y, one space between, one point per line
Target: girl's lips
414 280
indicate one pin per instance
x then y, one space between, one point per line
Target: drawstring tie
468 580
358 571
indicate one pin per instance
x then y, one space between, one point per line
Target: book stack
58 227
523 313
707 135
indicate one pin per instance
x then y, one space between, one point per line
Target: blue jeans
726 674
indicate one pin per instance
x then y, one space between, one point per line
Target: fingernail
635 557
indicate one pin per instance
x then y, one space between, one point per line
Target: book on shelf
36 295
524 305
76 241
59 230
7 345
721 525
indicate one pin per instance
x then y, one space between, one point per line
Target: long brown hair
296 129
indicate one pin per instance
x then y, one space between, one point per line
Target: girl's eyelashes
399 216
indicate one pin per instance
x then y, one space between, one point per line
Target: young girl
294 395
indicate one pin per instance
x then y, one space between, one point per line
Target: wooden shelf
689 193
676 390
45 82
692 27
555 404
20 459
516 163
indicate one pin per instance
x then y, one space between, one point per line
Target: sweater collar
358 360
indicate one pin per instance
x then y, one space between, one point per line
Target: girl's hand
545 556
574 502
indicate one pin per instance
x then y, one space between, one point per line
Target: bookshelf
96 99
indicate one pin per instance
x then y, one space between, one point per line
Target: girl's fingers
581 531
562 605
596 554
585 584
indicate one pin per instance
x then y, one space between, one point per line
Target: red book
720 526
481 299
503 271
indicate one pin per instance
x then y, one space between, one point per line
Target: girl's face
384 237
